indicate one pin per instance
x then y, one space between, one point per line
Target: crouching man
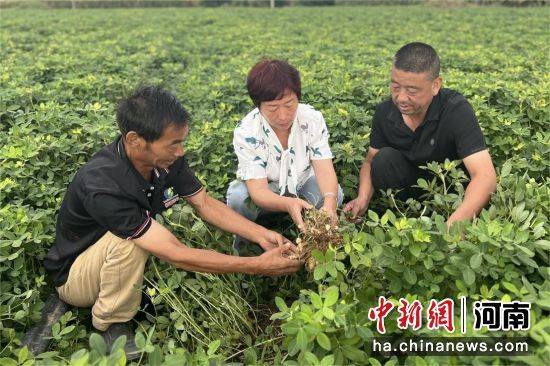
423 122
106 228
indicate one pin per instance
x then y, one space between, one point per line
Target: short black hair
148 111
417 57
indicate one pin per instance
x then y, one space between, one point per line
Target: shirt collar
158 174
433 113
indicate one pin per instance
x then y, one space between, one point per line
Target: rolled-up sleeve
251 153
183 179
318 132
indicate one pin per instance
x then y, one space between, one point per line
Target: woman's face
280 112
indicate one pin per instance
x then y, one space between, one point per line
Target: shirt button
152 187
148 194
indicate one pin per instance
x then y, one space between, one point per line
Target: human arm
328 185
359 205
160 242
262 196
220 215
478 192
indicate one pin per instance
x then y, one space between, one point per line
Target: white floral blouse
261 154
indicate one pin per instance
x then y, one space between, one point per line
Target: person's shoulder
101 172
382 109
250 120
384 106
451 98
307 113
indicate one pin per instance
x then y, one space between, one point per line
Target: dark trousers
390 169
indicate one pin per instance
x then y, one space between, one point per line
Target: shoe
37 338
116 330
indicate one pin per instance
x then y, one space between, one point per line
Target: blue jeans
237 197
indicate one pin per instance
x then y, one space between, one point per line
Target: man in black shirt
422 123
106 227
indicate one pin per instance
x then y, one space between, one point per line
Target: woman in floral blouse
285 162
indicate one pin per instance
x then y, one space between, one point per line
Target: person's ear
135 141
436 85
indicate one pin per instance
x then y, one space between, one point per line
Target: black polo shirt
450 130
108 194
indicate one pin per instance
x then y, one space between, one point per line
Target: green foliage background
62 73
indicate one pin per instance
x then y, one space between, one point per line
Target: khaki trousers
107 276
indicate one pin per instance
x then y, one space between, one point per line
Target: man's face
413 92
280 113
168 148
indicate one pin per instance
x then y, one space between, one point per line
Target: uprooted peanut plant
321 232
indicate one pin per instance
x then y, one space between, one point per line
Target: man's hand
273 263
294 207
271 239
357 207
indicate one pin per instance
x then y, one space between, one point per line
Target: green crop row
62 73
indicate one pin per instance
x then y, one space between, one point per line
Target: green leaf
469 276
117 358
437 255
318 255
55 329
384 219
213 347
140 341
67 330
78 358
543 244
415 249
324 341
328 360
97 343
311 359
374 362
290 328
510 287
319 273
506 169
316 300
301 340
353 353
331 296
155 357
372 215
23 355
119 343
328 313
409 275
525 250
281 304
475 260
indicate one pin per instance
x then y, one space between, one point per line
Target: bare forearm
328 184
220 215
201 260
365 183
270 201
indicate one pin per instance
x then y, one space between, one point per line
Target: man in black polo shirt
106 227
422 123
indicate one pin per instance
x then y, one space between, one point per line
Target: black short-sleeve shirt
450 130
108 194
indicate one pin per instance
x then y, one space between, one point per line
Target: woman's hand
294 207
329 206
